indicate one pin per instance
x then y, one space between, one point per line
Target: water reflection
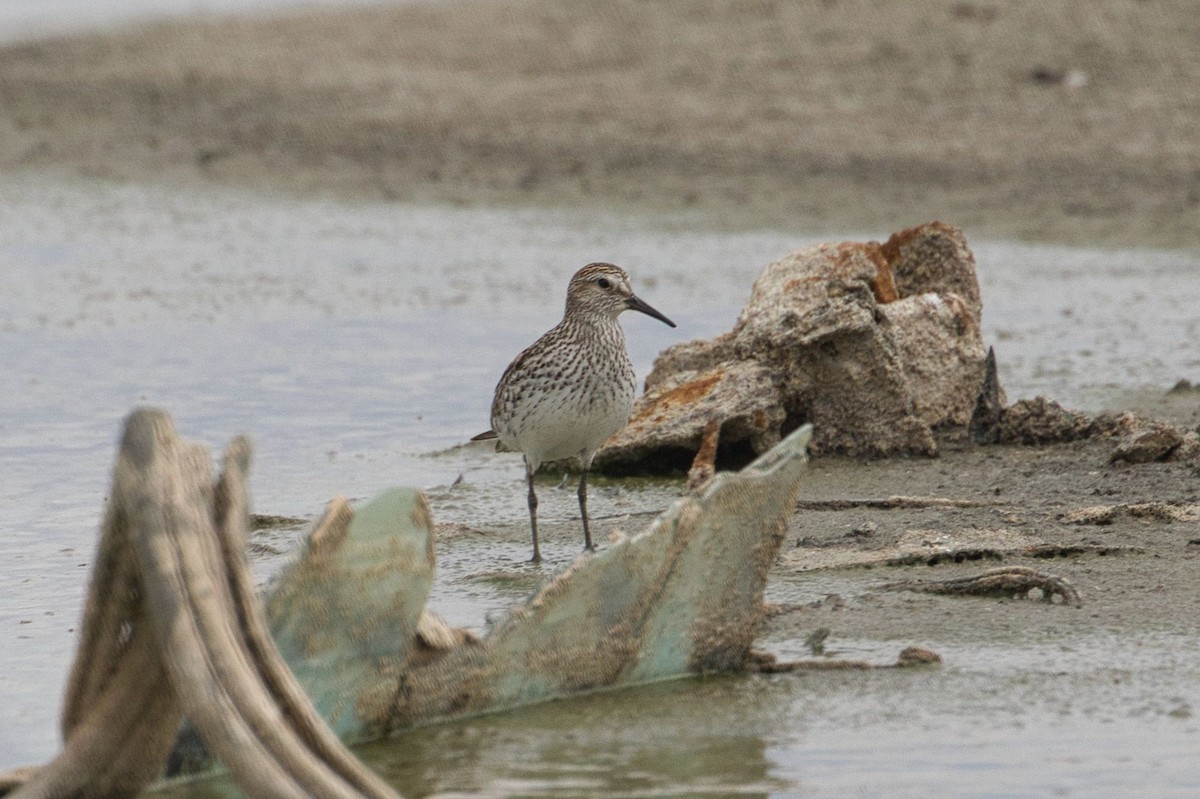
695 737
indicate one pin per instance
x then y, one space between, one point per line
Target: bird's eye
603 283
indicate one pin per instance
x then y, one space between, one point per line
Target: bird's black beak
635 303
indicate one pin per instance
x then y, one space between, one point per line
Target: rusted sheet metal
680 598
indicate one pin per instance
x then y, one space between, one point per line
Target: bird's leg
533 503
587 533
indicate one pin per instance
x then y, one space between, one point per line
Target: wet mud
220 218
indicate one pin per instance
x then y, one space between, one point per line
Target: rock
740 396
1152 442
1189 448
934 258
917 656
875 344
1043 421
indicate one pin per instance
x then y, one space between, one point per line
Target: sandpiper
572 388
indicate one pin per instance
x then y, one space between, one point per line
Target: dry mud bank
1077 122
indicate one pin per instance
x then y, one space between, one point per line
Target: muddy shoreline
970 509
1135 572
1075 123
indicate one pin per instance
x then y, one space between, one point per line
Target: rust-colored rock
705 464
930 258
740 396
876 345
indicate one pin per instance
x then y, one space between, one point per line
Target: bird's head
604 290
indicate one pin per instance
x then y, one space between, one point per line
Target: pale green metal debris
682 597
346 613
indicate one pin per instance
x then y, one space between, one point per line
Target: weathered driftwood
682 597
172 627
1007 581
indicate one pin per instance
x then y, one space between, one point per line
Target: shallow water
26 19
899 733
358 344
984 726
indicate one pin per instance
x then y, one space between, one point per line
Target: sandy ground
1076 121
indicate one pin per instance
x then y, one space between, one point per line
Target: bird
573 388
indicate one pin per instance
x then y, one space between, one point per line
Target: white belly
563 423
565 395
578 433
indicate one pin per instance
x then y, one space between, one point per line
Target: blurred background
1074 121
